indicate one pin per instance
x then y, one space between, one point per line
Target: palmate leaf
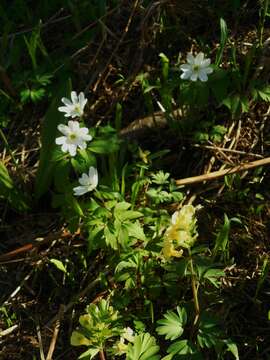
183 347
172 325
143 348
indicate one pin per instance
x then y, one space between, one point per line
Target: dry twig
55 333
220 173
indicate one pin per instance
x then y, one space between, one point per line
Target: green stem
8 148
263 14
194 290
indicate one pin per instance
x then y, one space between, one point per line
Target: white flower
74 137
196 67
88 182
73 108
121 347
128 335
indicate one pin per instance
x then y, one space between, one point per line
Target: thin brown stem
102 355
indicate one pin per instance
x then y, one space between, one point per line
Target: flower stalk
194 286
102 355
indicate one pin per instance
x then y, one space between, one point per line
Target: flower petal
60 140
186 74
202 76
84 180
65 109
72 149
74 97
82 101
190 59
93 176
194 76
81 144
80 190
199 59
208 70
73 125
185 67
66 101
64 129
205 63
87 137
65 147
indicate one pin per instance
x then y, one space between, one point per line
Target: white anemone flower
128 334
73 108
74 136
196 67
88 182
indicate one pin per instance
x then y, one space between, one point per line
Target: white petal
186 75
65 147
73 125
185 67
205 63
72 149
199 59
64 129
203 76
87 137
81 144
208 70
93 175
65 109
60 140
80 190
82 101
190 59
74 97
66 101
194 76
73 113
83 131
84 180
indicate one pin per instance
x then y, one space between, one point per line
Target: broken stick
220 173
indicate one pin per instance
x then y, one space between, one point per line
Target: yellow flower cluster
181 233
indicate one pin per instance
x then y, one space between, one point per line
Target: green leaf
165 65
232 347
92 352
233 103
8 190
173 324
104 146
143 348
219 84
48 134
135 230
60 266
213 275
5 180
110 238
122 213
223 40
182 347
209 333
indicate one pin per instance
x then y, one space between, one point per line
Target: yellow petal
78 339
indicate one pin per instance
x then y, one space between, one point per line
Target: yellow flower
181 233
78 339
